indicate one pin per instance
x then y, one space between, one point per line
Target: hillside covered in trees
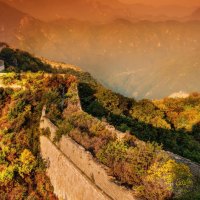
22 170
171 124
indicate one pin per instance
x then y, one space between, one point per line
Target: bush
7 175
27 162
10 78
64 129
112 153
166 178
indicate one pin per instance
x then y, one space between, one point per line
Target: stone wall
93 170
74 172
46 123
85 165
83 162
68 181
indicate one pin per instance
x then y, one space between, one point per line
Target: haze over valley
140 51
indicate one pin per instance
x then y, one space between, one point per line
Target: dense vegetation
174 123
22 171
144 167
16 60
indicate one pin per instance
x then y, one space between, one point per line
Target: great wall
62 156
73 171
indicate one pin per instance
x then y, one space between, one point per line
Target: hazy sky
165 2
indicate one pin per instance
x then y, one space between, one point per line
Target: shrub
10 78
166 178
27 162
151 172
136 162
7 175
113 152
64 129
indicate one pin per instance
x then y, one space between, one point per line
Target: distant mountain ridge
98 10
20 29
9 21
141 59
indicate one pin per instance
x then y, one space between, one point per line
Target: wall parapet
84 161
87 165
68 181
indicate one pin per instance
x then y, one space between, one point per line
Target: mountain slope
9 23
20 112
18 28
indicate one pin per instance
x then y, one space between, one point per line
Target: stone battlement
70 164
68 153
